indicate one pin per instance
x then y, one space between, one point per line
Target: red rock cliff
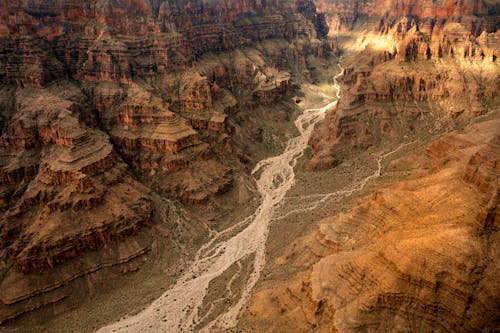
97 95
430 64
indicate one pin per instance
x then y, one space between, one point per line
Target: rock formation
108 104
111 108
418 66
419 255
65 193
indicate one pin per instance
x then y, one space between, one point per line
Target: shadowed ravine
178 308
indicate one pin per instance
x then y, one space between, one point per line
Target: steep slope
108 105
417 255
116 115
417 251
411 68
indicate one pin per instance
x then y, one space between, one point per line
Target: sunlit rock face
419 251
109 108
430 64
106 104
417 255
343 14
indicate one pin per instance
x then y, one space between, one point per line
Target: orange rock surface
417 255
410 68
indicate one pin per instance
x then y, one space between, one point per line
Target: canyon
233 165
415 253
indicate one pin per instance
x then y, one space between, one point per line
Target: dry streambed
236 255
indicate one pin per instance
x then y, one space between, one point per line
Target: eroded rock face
105 103
148 38
65 193
343 14
417 255
48 41
409 68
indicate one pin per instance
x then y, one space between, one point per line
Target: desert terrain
247 166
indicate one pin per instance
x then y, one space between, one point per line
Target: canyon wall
418 252
411 67
108 104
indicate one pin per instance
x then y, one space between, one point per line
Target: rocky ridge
423 67
108 104
418 254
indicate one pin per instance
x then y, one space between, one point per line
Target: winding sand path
177 309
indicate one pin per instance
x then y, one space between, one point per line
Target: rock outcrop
106 104
94 46
419 66
65 193
417 255
345 14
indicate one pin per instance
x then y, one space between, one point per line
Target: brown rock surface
410 68
104 103
417 255
149 38
108 105
65 194
420 253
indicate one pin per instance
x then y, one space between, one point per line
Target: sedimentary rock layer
420 253
105 103
409 68
417 255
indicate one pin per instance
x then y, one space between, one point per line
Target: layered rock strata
419 254
421 67
65 193
93 45
105 103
